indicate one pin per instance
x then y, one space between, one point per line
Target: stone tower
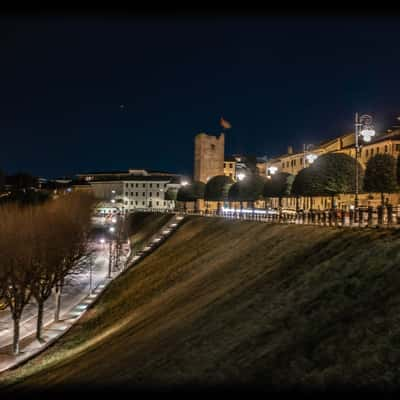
208 156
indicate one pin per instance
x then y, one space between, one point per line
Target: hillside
237 302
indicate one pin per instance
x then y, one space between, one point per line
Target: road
76 288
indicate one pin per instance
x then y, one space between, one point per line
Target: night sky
279 81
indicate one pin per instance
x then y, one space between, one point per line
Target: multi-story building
292 162
94 176
136 192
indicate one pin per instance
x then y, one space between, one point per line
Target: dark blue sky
279 81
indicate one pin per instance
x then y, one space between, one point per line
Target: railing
386 216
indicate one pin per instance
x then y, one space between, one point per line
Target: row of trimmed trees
39 247
330 175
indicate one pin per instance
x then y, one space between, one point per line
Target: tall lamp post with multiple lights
364 128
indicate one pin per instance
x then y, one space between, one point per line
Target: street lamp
364 128
184 183
241 176
310 157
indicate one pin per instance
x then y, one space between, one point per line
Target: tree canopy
191 192
171 194
249 189
330 174
278 185
217 188
380 174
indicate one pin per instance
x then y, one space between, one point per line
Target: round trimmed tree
217 189
279 185
380 175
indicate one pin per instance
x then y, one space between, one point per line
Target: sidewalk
30 347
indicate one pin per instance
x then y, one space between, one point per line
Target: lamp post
110 255
363 127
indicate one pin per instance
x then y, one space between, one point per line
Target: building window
366 152
165 203
377 150
301 161
213 147
131 185
158 194
131 202
136 202
137 185
143 202
151 194
137 193
127 185
283 165
144 193
126 194
151 185
158 185
372 152
144 185
157 203
386 148
126 202
231 175
397 147
230 165
224 164
165 185
131 193
287 164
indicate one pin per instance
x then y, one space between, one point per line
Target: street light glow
114 220
241 176
113 201
102 240
272 170
367 134
184 183
311 158
112 229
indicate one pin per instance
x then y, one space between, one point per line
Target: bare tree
16 262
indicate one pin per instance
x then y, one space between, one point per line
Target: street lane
76 287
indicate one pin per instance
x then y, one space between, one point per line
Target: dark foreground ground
239 305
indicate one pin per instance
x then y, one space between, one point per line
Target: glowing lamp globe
367 134
272 170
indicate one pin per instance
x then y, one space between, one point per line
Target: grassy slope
227 301
143 225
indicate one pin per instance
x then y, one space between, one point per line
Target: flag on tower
225 124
